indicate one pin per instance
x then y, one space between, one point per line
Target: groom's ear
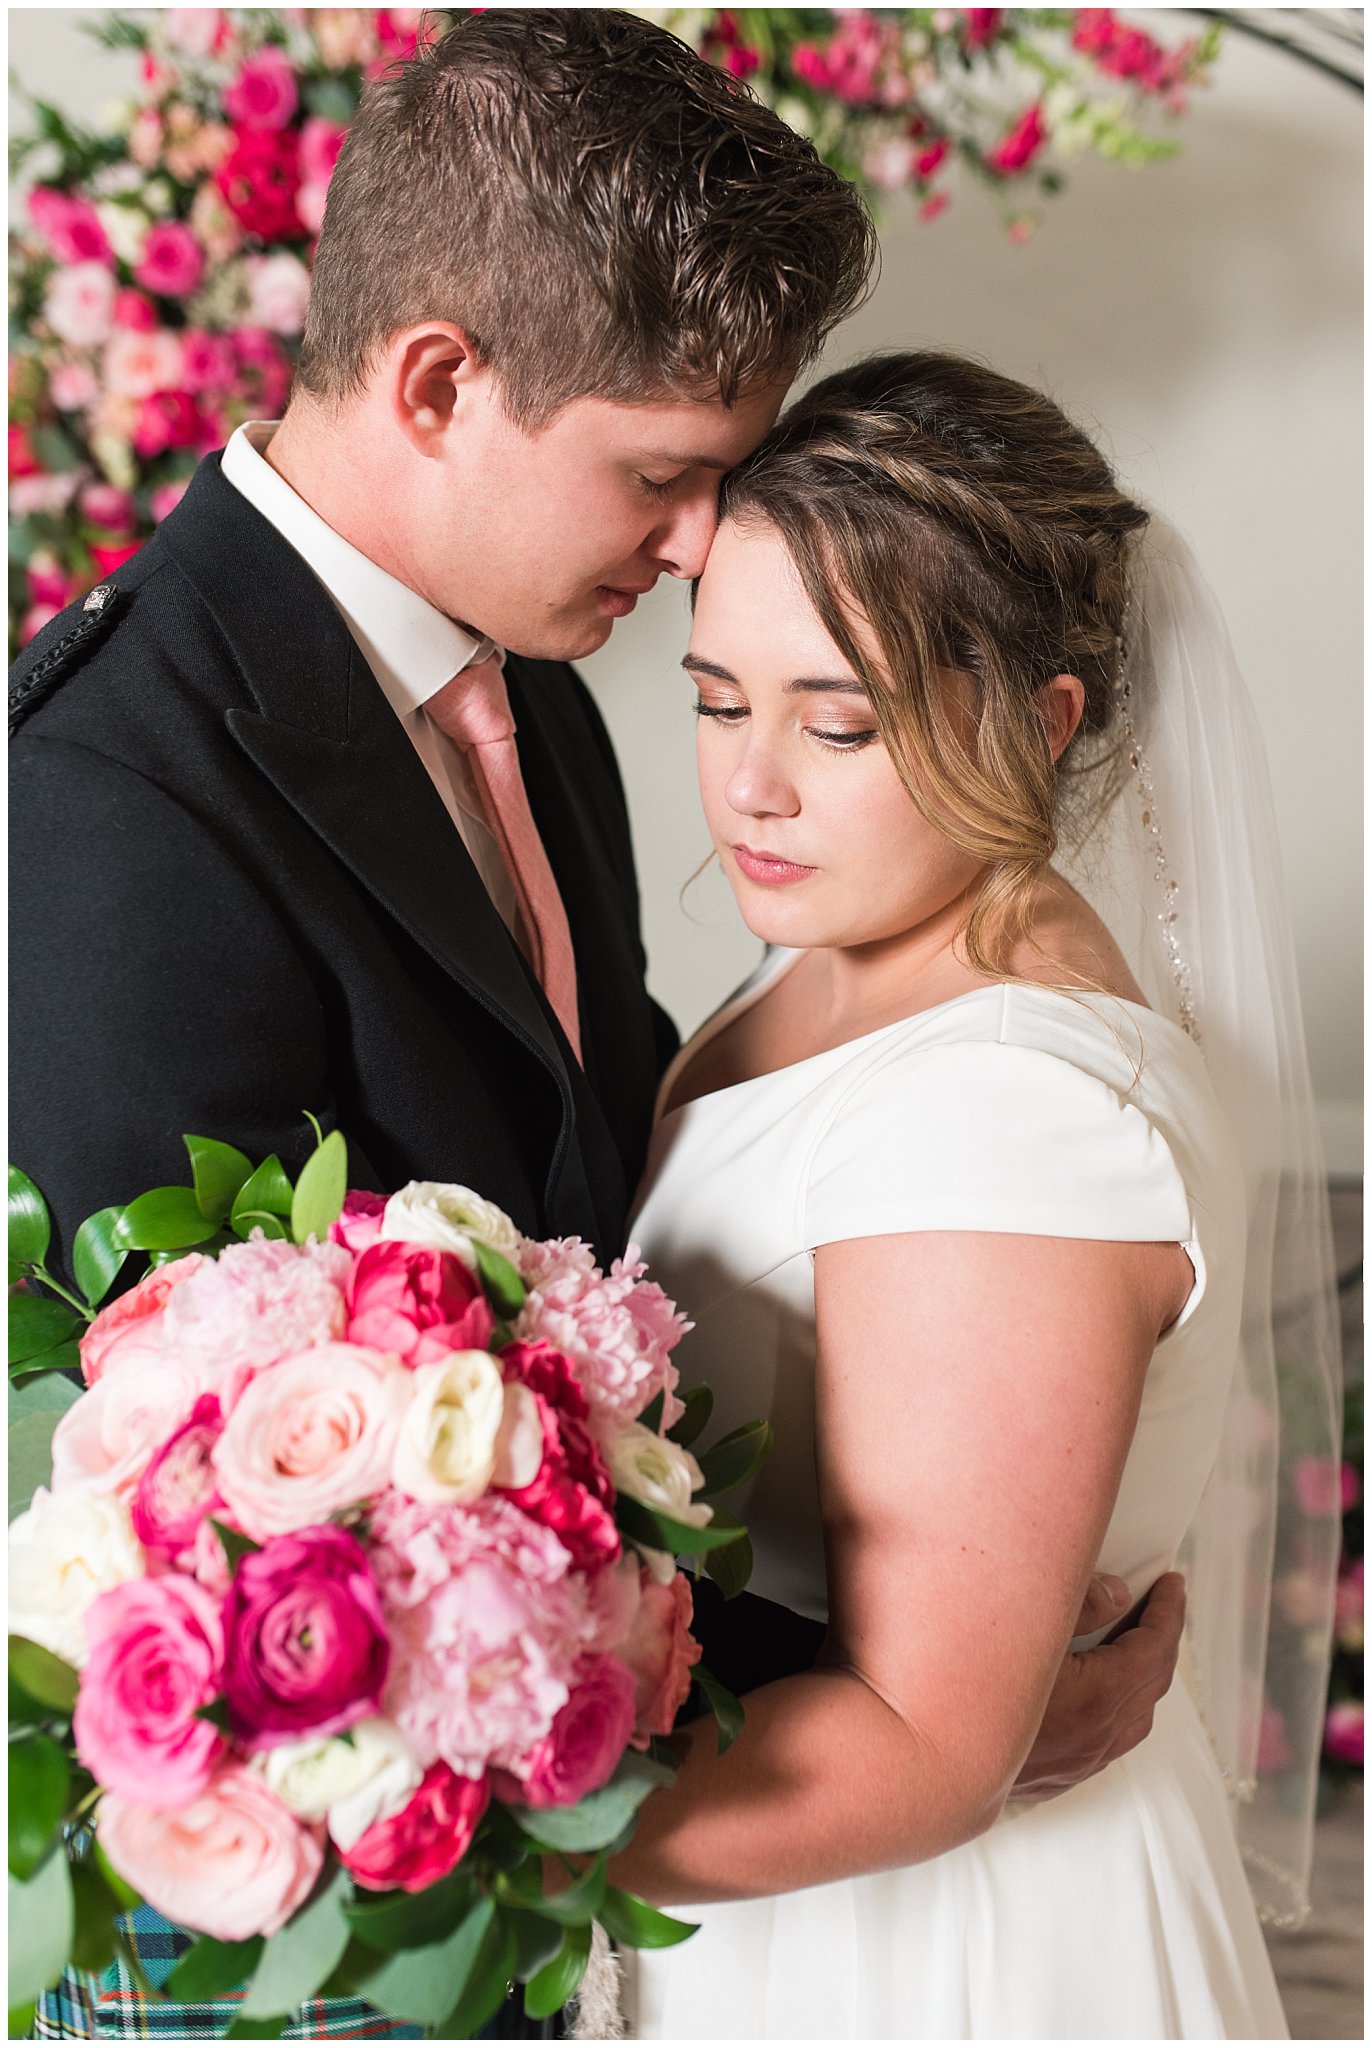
434 374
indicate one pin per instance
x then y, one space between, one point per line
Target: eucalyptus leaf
211 1968
699 1403
163 1220
267 1190
218 1171
601 1816
319 1192
38 1323
40 1928
632 1921
504 1289
422 1983
42 1391
97 1254
44 1678
306 1951
30 1457
726 1708
30 1227
39 1780
661 1532
558 1980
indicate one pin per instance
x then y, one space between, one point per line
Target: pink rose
173 262
106 505
156 1655
233 1863
73 386
206 360
616 1328
134 311
586 1741
570 1493
1323 1487
105 1439
360 1223
426 1839
1019 148
178 1487
306 1647
660 1652
137 364
264 93
1343 1732
79 304
417 1302
166 419
278 291
167 497
311 1435
70 227
23 462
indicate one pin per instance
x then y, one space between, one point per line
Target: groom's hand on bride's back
1102 1703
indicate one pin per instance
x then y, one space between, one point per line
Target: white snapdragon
448 1217
65 1550
652 1469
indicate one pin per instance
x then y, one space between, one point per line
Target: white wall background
1204 318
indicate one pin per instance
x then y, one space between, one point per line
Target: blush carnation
232 1863
417 1302
588 1736
617 1329
135 1315
156 1655
424 1841
306 1650
258 1302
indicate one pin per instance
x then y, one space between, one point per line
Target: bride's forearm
826 1781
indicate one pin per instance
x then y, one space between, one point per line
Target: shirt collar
412 648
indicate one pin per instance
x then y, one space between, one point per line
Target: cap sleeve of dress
989 1136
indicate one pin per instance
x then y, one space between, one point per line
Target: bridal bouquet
344 1595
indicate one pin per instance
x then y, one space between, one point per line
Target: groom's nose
682 541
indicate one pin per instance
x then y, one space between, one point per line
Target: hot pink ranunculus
426 1839
586 1741
264 94
173 262
1343 1736
206 360
104 1440
311 1435
660 1651
306 1647
79 304
416 1301
156 1656
232 1863
70 226
264 370
179 1485
360 1223
616 1328
928 160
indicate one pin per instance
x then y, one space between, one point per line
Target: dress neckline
766 977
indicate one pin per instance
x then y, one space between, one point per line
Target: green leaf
319 1192
537 1941
38 1323
123 1891
397 1920
30 1457
556 1982
41 1391
95 1910
601 1816
488 1982
699 1402
504 1289
219 1171
21 2020
216 1712
732 1567
30 1227
246 1221
421 1983
44 1678
210 1968
574 1907
40 1928
267 1192
163 1220
306 1951
632 1921
727 1710
236 1544
39 1780
734 1458
661 1532
96 1255
63 1358
247 2027
651 1418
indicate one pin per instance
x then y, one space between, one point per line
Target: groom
275 845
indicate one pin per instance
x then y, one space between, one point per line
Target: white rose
65 1552
657 1472
446 1449
127 229
351 1781
448 1217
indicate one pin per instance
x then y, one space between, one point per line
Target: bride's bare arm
976 1397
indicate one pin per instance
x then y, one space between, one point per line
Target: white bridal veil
1185 869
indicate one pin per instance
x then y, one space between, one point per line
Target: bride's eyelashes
837 742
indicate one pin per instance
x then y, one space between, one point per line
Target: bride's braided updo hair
968 525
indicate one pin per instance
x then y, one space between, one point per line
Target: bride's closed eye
837 742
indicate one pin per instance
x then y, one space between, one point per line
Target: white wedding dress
1117 1910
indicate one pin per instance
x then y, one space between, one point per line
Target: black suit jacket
236 896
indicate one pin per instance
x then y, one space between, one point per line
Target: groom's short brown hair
600 209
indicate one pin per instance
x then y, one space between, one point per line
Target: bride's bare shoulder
1067 941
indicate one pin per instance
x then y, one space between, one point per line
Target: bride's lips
620 602
760 866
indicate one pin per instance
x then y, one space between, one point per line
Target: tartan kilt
111 2007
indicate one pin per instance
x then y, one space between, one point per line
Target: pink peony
360 1223
258 1302
586 1741
104 1440
660 1651
166 419
1019 148
173 262
136 1314
70 226
106 505
416 1302
571 1492
178 1487
310 1436
306 1649
617 1328
1323 1487
156 1656
167 497
424 1841
1343 1732
259 178
233 1863
138 364
135 311
278 291
79 304
264 93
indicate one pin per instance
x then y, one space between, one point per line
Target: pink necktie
474 710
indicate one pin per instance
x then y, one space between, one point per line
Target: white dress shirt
410 647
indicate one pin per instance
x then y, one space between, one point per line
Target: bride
954 1202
